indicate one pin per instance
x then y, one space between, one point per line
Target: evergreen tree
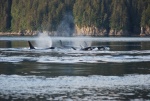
146 17
5 15
19 15
119 16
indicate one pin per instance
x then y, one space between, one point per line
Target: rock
145 31
91 31
118 32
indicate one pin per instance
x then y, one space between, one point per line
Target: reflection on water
122 73
13 44
111 69
119 46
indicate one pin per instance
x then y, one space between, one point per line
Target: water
121 73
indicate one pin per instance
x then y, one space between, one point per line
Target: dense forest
86 17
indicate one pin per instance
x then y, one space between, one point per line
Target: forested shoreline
76 17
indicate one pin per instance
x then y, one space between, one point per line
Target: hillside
83 17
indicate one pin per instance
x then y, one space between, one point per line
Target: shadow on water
50 70
13 44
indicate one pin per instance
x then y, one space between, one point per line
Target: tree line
126 15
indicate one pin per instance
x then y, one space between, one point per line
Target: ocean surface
119 72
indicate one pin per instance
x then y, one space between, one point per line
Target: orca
99 48
87 48
66 46
32 47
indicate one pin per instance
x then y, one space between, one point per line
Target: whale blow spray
43 40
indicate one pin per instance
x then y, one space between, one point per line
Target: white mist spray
43 40
66 27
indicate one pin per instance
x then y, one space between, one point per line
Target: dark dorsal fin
61 43
86 45
73 48
30 45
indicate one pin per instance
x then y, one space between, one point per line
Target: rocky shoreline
81 34
93 31
17 34
84 31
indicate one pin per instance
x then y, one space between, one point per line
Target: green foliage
18 15
119 16
5 16
92 13
38 14
146 17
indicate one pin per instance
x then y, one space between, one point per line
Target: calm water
121 73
